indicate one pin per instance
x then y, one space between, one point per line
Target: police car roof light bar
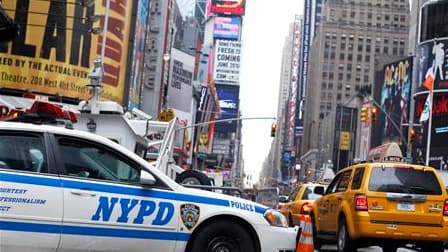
43 113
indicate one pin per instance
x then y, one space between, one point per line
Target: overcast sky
265 27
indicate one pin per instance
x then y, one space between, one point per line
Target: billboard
228 97
439 129
227 28
180 89
138 52
432 64
395 99
227 61
228 7
292 104
54 53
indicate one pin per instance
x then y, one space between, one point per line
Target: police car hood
226 200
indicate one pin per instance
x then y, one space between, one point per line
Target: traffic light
273 129
373 113
364 115
411 135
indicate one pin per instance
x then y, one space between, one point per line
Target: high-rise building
285 77
311 21
351 38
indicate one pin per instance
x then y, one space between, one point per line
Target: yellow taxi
383 203
300 201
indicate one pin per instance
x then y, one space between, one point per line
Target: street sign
344 140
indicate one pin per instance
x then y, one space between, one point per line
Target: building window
339 86
324 85
394 51
339 97
341 56
349 77
340 76
331 76
342 46
359 47
367 58
359 57
330 86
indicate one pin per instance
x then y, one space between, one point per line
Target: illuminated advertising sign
395 98
432 64
138 53
227 61
227 28
54 53
228 7
294 80
228 97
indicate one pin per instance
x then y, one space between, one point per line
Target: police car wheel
223 236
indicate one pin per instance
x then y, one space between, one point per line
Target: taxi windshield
404 180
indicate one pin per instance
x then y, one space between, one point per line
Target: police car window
23 153
82 159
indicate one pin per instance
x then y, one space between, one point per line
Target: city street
328 248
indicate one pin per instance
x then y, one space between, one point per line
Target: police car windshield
404 180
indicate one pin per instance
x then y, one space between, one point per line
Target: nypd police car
68 190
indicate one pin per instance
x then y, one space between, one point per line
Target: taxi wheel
222 236
433 247
344 243
316 241
389 248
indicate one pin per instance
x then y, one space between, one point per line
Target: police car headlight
275 218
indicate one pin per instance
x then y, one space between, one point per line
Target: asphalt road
328 248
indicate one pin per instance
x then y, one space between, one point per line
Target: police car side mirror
146 178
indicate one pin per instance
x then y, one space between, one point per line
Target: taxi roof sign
389 152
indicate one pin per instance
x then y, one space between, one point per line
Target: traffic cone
305 243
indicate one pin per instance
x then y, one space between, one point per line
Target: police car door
30 194
105 206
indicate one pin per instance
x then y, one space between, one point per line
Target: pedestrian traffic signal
411 135
364 114
273 129
373 113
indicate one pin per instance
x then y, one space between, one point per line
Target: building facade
352 37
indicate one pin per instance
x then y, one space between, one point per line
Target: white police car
68 190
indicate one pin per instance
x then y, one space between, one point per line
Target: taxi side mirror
319 190
146 178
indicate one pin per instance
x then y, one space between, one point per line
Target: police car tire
222 234
199 176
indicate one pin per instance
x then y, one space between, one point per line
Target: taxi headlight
275 218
